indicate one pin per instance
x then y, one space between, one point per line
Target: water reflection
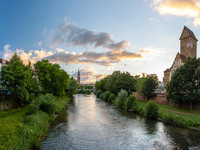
93 124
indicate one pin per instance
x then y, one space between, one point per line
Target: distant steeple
79 77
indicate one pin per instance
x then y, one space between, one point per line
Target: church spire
79 77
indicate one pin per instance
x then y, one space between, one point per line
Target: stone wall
161 99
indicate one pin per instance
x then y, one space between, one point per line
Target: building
3 62
79 77
188 48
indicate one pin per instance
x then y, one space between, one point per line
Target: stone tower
79 77
188 43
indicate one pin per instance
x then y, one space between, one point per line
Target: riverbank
173 115
20 130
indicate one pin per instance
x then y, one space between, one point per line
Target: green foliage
151 109
117 81
121 98
19 131
111 98
106 96
18 78
147 86
135 106
98 93
85 91
52 78
185 84
129 101
47 103
89 87
73 86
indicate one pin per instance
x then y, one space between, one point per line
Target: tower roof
78 72
187 33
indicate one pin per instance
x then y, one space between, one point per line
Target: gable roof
179 56
187 33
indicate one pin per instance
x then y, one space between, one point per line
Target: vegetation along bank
37 93
119 94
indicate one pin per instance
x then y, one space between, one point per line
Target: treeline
37 92
118 81
118 87
27 82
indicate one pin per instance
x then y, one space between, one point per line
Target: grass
174 115
19 131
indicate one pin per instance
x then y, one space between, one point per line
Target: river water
91 124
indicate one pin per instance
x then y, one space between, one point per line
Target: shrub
84 91
102 96
47 103
151 109
106 96
111 98
121 98
98 93
129 101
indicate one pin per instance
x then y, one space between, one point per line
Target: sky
97 36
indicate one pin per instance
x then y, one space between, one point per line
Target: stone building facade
188 48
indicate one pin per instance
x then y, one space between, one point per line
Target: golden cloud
186 8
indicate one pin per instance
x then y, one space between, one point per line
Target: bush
111 98
151 109
129 102
106 96
98 93
84 91
47 103
121 98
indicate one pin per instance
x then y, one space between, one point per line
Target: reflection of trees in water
150 126
183 138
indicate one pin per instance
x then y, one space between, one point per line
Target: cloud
89 75
186 8
7 52
32 56
70 34
89 57
62 56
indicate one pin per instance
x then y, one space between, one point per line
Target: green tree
18 78
149 86
117 81
121 98
73 86
184 86
52 78
121 80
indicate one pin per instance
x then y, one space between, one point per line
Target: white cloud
186 8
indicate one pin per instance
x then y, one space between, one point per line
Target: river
91 124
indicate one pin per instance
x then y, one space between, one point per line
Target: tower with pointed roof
188 48
188 43
79 77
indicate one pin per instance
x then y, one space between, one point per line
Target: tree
52 78
117 81
148 87
73 86
184 87
18 78
121 80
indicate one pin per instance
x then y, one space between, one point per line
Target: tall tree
148 87
73 86
184 86
52 78
18 78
